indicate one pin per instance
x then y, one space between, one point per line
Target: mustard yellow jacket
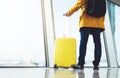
86 20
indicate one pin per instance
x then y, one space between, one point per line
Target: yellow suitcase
65 52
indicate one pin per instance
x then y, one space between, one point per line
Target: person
88 25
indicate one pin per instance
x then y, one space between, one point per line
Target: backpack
96 8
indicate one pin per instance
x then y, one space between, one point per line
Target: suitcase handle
66 26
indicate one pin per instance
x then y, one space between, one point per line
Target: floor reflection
59 73
64 74
86 73
96 74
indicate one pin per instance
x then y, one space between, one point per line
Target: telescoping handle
66 26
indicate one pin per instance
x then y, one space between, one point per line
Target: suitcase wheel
55 66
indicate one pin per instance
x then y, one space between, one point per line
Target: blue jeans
84 33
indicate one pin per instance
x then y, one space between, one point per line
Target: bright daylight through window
21 34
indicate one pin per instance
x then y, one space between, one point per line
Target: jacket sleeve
77 6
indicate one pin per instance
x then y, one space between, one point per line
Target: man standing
88 25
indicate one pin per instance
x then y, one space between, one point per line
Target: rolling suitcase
65 52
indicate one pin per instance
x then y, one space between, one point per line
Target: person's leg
84 34
97 51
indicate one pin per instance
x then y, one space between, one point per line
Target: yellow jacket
86 20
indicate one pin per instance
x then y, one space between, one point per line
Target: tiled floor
58 73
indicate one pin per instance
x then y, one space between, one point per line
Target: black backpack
96 8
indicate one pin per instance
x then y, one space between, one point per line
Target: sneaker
96 68
76 66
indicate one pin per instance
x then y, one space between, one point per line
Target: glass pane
21 33
68 27
117 31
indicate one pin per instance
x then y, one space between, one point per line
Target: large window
114 21
68 27
117 31
21 33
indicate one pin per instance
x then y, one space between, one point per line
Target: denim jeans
84 33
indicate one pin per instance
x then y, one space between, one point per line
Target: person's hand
66 14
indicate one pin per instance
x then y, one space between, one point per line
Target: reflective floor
58 73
